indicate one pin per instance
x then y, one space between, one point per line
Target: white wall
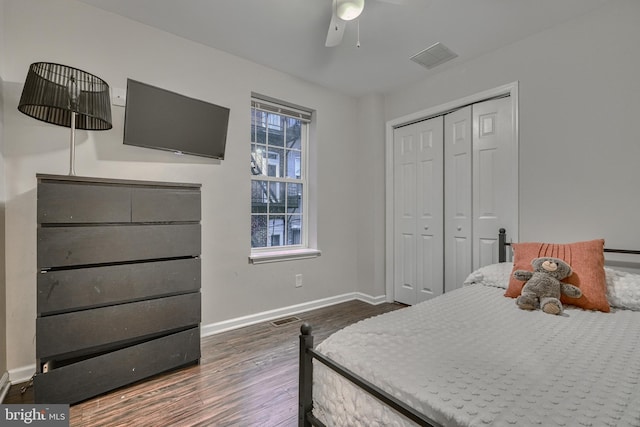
579 107
371 196
3 299
72 33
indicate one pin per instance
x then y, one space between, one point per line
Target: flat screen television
164 120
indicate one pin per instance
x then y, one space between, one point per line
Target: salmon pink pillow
586 260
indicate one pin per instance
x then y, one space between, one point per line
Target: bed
471 357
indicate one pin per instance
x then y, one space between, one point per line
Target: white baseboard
4 386
22 374
239 322
371 300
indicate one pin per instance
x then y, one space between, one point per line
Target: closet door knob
426 227
459 228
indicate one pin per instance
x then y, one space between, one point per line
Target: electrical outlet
118 97
298 280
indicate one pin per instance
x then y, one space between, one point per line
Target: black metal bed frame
308 353
502 247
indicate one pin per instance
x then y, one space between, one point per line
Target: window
279 188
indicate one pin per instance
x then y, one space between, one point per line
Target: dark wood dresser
118 289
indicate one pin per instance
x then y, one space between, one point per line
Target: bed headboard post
502 248
305 379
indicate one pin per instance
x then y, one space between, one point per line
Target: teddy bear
543 286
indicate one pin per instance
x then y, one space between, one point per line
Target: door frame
511 90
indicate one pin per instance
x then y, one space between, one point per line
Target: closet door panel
457 197
495 197
428 272
406 269
429 225
418 204
404 215
460 262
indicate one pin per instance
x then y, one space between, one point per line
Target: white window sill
283 255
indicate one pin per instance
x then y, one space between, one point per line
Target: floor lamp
68 97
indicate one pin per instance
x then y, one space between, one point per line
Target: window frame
301 250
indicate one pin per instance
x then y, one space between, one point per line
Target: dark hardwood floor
246 377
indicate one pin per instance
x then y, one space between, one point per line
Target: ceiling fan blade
336 31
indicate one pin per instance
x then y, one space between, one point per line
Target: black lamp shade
53 91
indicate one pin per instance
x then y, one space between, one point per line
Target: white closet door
429 227
495 192
404 158
457 195
418 205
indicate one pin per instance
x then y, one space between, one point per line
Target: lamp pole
72 148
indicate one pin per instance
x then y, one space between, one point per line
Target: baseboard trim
265 316
370 299
22 374
4 386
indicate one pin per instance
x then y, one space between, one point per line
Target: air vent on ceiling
434 55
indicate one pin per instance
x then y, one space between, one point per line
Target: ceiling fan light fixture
348 10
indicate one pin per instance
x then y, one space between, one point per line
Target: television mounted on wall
164 120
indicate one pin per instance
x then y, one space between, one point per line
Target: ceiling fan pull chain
358 42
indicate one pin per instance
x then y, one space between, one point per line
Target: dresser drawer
78 381
69 203
165 205
85 332
77 246
82 288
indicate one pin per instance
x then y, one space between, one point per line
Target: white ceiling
289 35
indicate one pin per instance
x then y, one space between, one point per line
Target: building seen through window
278 182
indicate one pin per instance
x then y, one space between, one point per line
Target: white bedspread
472 358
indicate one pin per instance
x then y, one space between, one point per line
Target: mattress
472 358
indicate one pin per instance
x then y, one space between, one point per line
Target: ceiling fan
343 11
